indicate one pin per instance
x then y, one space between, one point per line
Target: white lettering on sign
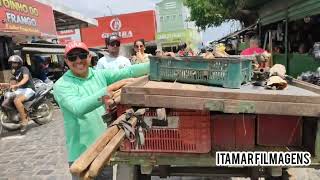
122 34
18 19
171 35
115 24
73 45
67 32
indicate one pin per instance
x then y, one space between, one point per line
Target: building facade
174 27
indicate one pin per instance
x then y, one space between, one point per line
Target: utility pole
115 18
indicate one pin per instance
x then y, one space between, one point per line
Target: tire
45 109
2 119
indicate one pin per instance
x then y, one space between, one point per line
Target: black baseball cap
112 38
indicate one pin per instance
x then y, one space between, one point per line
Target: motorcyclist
23 89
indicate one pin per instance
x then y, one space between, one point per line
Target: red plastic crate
191 134
276 130
233 131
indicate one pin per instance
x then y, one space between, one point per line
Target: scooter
39 108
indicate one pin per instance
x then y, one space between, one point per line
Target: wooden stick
85 175
116 94
93 151
117 100
98 164
114 101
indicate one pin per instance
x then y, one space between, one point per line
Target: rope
244 125
294 131
127 128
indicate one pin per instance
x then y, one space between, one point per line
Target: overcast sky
99 8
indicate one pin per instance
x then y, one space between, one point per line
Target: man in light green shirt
78 92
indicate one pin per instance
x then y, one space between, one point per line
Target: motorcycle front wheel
43 113
3 119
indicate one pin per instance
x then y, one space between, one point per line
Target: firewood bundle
114 99
93 160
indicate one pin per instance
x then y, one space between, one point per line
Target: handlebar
4 85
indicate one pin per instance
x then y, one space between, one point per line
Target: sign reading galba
124 25
27 17
115 25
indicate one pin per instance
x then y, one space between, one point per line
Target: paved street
41 154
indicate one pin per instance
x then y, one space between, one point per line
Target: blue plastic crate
228 72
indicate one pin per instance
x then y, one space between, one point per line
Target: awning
274 17
304 9
235 33
66 19
276 11
42 48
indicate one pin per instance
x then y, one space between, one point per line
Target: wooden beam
305 85
83 162
189 90
105 155
225 105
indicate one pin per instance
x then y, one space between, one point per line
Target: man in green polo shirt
78 92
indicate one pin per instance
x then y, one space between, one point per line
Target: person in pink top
254 48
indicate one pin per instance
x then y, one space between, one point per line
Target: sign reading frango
28 17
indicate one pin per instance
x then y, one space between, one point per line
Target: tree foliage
209 13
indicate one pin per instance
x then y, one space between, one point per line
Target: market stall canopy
66 19
244 30
277 10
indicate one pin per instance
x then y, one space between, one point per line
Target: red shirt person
253 49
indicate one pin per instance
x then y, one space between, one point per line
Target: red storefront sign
66 32
65 40
27 17
129 27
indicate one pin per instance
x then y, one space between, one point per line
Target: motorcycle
39 107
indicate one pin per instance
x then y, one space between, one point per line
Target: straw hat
276 82
278 70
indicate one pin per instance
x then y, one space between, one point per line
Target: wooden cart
298 100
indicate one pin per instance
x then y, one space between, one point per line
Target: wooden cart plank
294 94
181 159
225 105
141 81
133 99
307 86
